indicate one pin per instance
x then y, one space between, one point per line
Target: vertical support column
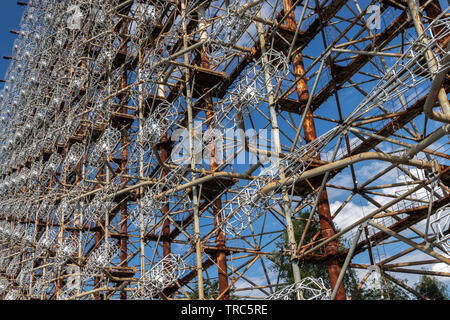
195 202
277 141
123 165
221 256
164 156
323 208
140 141
58 282
98 237
124 209
78 215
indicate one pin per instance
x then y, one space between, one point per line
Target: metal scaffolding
163 149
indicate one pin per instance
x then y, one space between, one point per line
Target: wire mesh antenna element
98 260
66 249
440 224
230 27
252 89
161 276
308 288
45 243
72 159
162 119
104 146
43 283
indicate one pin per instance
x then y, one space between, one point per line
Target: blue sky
10 15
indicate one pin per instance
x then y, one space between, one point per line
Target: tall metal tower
183 149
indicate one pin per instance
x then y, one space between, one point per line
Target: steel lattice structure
151 148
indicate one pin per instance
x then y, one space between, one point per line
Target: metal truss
164 149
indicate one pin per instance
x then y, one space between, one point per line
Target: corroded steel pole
98 236
123 165
190 117
217 204
323 208
164 156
